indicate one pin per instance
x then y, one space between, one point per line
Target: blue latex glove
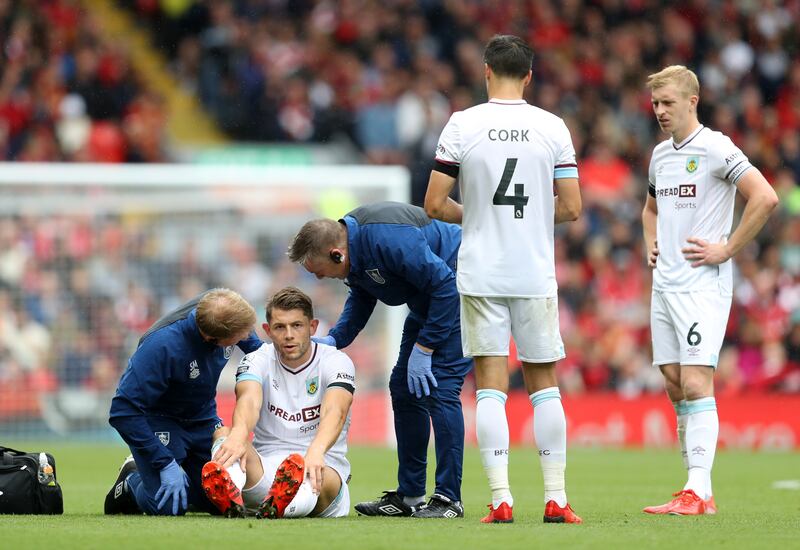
327 340
174 482
419 373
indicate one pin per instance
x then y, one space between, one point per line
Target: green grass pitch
607 488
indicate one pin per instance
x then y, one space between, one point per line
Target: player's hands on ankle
174 482
327 340
420 377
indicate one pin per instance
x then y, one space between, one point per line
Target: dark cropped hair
289 298
508 55
314 238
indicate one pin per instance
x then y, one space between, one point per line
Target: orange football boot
501 514
711 506
685 503
288 478
221 491
553 513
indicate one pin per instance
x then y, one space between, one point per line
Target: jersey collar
688 138
300 369
508 101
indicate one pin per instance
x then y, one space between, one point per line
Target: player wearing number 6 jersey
687 220
507 156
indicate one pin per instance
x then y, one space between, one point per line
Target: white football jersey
290 413
694 186
508 154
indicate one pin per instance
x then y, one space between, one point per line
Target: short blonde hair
223 313
684 79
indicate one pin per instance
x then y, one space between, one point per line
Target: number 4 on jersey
518 200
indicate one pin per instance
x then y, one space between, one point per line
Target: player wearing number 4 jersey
507 156
687 219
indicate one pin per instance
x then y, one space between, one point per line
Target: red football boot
553 513
501 514
287 482
711 506
221 491
687 503
661 508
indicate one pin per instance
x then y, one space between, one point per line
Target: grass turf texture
607 488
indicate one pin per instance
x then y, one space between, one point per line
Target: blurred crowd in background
385 76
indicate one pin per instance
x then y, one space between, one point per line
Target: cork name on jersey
508 135
304 415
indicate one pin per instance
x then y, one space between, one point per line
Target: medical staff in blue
165 407
394 253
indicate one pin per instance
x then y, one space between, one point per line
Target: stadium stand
386 76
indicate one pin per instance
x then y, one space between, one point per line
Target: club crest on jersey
163 437
312 385
692 163
228 351
375 275
194 370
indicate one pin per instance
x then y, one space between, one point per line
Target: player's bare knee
674 390
697 382
331 486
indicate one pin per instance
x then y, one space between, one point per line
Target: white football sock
303 502
682 416
237 474
702 430
492 430
235 470
550 433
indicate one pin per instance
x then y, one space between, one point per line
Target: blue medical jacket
400 256
173 374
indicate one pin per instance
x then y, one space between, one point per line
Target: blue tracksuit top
173 373
400 256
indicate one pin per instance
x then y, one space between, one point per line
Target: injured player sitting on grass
295 395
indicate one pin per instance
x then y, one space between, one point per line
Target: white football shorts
688 327
487 324
254 496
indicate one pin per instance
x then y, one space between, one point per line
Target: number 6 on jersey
518 200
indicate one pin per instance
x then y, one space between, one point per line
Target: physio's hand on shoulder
174 482
327 340
701 252
652 255
232 449
315 469
420 377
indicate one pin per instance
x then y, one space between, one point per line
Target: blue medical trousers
413 417
190 444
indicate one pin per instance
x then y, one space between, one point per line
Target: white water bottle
46 474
